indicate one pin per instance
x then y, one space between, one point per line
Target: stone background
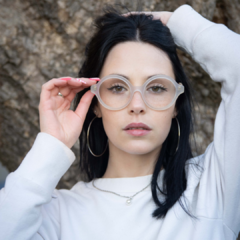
44 39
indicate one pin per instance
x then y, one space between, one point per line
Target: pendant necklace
129 198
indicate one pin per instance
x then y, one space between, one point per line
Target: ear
97 111
175 113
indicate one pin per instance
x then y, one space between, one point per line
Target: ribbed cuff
46 162
185 24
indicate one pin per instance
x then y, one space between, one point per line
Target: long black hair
113 28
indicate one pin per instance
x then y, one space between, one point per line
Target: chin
138 148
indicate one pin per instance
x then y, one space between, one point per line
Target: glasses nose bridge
137 89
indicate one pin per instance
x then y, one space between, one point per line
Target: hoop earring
178 134
88 141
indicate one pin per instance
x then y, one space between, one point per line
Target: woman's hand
56 118
163 15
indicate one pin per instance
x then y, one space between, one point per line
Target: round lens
159 92
114 92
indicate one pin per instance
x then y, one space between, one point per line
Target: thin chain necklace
129 198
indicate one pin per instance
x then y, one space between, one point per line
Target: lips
137 126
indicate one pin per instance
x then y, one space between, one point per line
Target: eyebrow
128 78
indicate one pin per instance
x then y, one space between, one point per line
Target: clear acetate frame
178 86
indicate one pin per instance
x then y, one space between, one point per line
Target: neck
122 164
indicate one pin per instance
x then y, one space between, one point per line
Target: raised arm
217 49
28 205
30 187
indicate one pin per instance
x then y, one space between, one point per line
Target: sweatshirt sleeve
28 202
217 49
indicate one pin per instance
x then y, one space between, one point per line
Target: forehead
136 61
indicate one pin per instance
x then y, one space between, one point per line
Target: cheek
112 122
162 126
162 121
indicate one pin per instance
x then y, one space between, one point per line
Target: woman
136 156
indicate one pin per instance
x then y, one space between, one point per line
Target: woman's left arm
217 49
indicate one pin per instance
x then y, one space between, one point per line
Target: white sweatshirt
31 207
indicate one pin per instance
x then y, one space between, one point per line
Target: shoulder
196 166
81 188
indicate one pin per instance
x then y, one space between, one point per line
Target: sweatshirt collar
126 184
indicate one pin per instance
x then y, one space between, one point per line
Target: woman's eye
157 89
116 88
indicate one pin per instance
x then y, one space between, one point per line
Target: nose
137 105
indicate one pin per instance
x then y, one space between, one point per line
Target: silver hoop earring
178 134
89 143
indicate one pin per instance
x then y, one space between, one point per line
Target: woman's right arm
31 186
28 207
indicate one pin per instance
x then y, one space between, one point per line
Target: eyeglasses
159 92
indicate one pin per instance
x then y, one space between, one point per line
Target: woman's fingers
161 15
71 85
63 85
48 87
72 93
131 13
83 105
55 117
156 15
69 92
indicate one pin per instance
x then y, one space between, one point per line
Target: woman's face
137 61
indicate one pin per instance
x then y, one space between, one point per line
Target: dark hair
113 28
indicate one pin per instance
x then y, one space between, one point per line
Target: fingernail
95 79
80 80
66 78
